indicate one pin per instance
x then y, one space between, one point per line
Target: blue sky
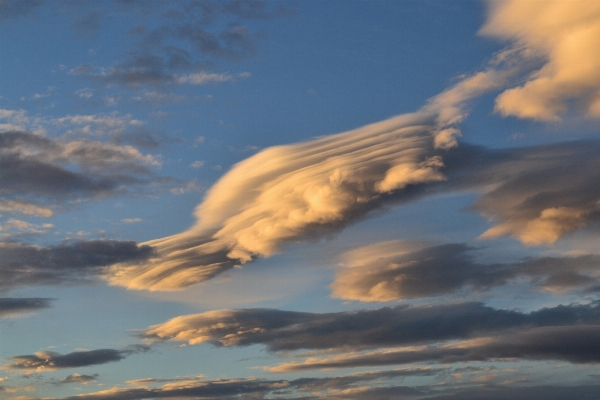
304 199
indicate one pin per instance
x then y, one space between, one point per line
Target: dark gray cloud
397 273
548 392
10 306
37 169
534 194
575 344
157 61
66 263
48 360
384 327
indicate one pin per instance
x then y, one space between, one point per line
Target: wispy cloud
185 46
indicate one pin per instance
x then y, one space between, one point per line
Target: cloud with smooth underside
49 360
389 326
574 343
17 306
399 270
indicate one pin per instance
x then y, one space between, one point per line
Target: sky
234 199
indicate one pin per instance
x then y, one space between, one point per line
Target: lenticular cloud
290 193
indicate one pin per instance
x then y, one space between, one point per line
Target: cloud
78 378
36 168
220 388
327 387
25 207
17 306
565 35
50 361
12 9
535 194
131 220
575 344
184 45
291 193
399 270
536 392
352 386
389 326
66 263
204 78
14 228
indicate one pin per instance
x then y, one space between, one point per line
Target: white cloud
26 208
565 34
204 78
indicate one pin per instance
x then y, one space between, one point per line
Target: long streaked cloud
389 326
65 263
17 306
289 193
376 385
574 343
399 270
50 361
305 388
565 35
